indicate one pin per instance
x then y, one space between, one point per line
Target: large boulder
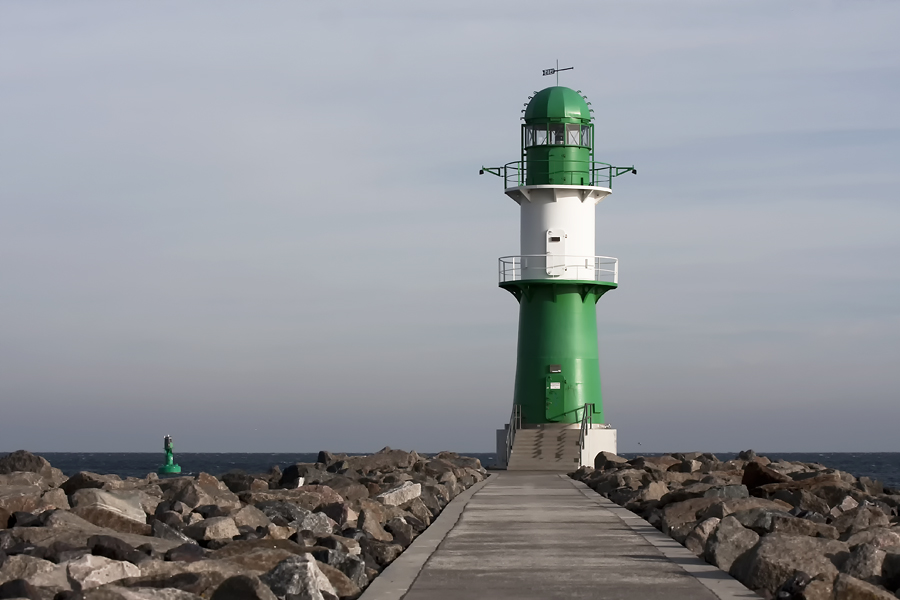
250 516
698 537
384 460
728 542
243 587
859 519
91 571
679 518
850 588
608 460
320 524
890 568
865 563
299 576
22 566
880 537
775 558
349 489
343 586
309 497
22 460
87 479
214 528
401 494
756 474
726 507
205 490
65 527
369 523
121 510
25 498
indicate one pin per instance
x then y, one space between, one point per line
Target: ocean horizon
883 466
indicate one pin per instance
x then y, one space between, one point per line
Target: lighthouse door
556 252
555 395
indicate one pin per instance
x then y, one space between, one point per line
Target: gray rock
381 553
698 537
759 519
654 490
22 460
401 531
318 523
86 479
243 587
727 491
343 586
679 518
851 588
401 494
203 491
865 563
216 528
890 568
122 510
775 558
607 460
880 537
22 566
91 571
368 522
756 475
163 531
352 566
860 518
250 516
729 541
301 577
279 509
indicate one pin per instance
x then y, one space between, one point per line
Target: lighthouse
557 420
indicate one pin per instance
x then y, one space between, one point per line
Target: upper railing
515 174
557 266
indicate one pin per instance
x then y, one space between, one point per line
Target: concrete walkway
532 535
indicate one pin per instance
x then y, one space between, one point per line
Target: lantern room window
557 134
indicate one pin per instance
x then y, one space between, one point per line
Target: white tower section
557 233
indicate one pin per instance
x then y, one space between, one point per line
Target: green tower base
558 363
168 469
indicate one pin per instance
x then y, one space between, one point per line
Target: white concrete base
599 439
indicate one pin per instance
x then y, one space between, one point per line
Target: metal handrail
600 174
586 418
515 423
559 266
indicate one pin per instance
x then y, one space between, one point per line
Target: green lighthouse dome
559 104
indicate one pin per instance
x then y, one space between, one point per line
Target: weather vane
556 71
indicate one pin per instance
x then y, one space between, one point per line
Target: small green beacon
170 466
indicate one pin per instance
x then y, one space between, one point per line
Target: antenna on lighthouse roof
556 71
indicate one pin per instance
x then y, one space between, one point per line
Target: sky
259 227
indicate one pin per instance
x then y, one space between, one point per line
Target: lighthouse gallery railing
559 266
600 174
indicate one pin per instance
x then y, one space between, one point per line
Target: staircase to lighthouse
557 421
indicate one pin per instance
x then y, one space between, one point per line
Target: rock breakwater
314 531
789 530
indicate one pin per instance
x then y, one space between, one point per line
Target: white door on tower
556 252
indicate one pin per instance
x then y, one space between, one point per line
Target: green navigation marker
170 466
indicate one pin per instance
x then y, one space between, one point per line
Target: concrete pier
537 535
